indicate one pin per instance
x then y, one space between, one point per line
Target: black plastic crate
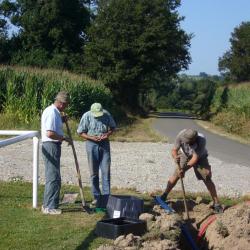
124 206
112 228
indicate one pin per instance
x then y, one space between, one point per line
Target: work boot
164 196
218 209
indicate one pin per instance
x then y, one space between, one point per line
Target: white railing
23 135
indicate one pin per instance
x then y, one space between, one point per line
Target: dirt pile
208 231
231 230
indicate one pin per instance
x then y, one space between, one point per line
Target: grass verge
137 129
221 131
23 227
27 228
133 129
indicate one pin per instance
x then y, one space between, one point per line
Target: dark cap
189 135
62 96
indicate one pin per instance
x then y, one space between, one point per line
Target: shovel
84 206
69 198
184 194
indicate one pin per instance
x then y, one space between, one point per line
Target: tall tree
136 44
4 55
50 30
236 62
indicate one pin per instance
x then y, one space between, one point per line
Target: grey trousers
51 152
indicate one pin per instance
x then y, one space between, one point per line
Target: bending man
190 152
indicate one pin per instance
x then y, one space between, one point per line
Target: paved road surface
169 124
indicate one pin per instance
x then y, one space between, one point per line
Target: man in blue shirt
96 126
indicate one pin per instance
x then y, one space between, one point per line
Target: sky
211 22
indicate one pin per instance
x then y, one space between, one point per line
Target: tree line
135 47
132 46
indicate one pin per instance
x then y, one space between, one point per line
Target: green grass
221 130
23 227
133 129
136 129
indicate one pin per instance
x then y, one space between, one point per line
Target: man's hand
95 138
68 140
188 166
103 137
181 173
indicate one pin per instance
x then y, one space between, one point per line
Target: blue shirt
96 126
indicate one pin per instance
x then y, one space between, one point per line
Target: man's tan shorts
202 169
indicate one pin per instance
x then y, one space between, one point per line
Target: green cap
96 109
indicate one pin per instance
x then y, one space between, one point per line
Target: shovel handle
76 163
183 193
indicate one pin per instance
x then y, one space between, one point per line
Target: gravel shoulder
139 165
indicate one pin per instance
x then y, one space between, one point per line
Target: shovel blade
69 198
87 209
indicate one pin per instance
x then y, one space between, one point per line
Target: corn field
235 98
25 92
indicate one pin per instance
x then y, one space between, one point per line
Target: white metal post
35 170
23 135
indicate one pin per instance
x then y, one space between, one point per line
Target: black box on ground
112 228
124 206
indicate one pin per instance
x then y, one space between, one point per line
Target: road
225 149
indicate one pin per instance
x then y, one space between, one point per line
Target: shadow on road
177 115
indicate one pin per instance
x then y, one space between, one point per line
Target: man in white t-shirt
52 138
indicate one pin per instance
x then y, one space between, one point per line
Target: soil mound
229 230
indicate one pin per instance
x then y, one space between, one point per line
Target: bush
231 108
232 122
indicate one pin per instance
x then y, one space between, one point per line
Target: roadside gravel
139 165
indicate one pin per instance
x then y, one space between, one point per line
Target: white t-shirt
51 120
